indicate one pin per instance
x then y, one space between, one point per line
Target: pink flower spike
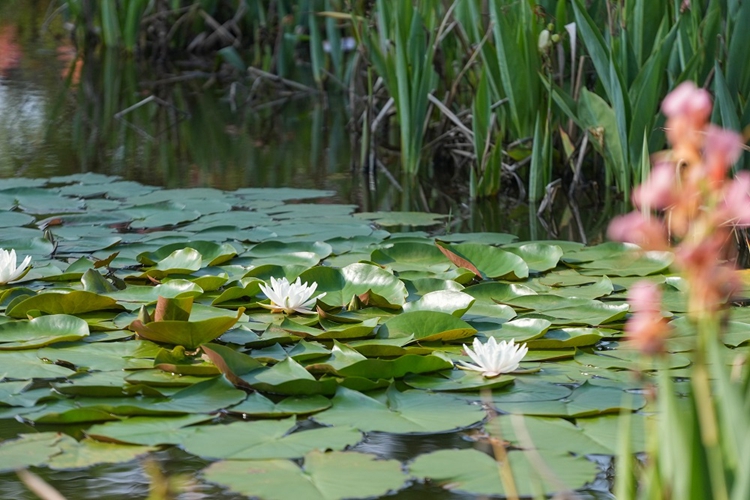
722 150
736 204
647 233
656 192
644 296
689 101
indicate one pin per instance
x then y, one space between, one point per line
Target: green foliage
439 62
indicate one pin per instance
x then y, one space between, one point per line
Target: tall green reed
402 50
524 107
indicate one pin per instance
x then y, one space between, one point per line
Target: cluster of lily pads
274 338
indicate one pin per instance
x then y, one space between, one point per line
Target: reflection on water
63 112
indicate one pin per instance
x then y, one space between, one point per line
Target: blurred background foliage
495 94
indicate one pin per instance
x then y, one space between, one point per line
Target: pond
64 113
205 195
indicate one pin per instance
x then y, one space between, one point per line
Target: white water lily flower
8 270
290 297
494 358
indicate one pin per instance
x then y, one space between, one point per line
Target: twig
38 486
278 79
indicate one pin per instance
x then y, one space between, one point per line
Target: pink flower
644 296
722 150
735 207
689 101
647 328
656 192
648 233
648 331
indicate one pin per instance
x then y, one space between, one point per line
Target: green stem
709 429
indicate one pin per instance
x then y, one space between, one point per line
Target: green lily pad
85 453
474 472
149 431
426 326
290 378
190 334
585 401
321 479
457 380
341 285
491 262
263 440
76 302
404 412
41 331
347 362
259 406
402 218
135 354
30 450
539 257
452 302
561 338
402 256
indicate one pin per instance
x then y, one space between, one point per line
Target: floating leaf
474 472
321 479
266 439
190 334
41 331
257 405
347 362
290 378
451 302
404 412
457 380
76 302
149 431
85 453
30 450
426 326
585 401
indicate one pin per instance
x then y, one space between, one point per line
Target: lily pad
321 479
266 439
259 406
41 331
426 326
403 412
474 472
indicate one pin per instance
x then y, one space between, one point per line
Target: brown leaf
216 359
457 260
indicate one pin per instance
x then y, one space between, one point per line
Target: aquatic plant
10 270
700 208
468 80
289 297
493 358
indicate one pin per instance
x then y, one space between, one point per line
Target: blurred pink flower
647 328
656 192
735 205
648 233
648 331
722 150
689 101
644 296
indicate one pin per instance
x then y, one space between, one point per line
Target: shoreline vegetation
522 97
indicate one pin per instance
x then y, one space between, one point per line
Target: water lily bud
543 42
